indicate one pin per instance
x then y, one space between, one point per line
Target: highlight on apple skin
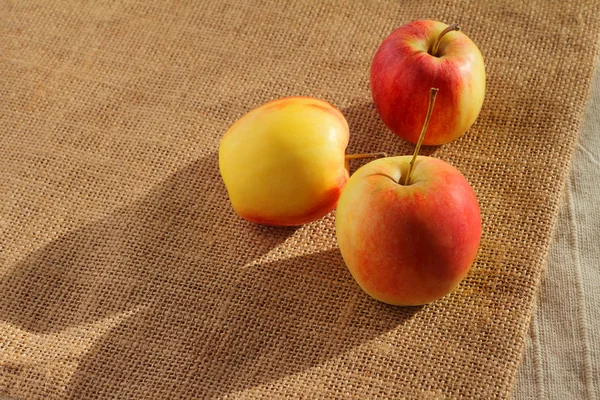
404 68
283 163
408 244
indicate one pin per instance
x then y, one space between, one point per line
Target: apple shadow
277 319
133 251
369 134
206 317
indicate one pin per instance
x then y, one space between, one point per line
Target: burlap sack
124 272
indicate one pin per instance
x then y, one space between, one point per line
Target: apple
408 227
408 244
416 57
284 162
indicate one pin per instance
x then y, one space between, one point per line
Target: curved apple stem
432 95
436 45
366 155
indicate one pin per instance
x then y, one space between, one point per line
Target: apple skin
408 245
402 72
283 162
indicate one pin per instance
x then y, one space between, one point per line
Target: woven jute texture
125 273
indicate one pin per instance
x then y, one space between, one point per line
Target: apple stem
436 45
365 155
432 95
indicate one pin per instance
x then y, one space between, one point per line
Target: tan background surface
562 359
123 269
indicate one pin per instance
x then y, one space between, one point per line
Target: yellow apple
283 163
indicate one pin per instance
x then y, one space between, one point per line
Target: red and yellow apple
416 57
408 244
283 163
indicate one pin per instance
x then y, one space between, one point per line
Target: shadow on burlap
177 301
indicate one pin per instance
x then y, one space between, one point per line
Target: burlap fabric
562 357
124 272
